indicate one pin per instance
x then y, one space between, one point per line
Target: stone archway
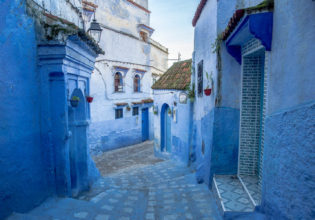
165 129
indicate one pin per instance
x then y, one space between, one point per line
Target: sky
171 20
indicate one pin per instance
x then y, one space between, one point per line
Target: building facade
172 113
122 80
47 59
258 136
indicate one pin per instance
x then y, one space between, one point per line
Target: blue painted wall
224 155
180 128
216 117
22 160
289 173
289 164
117 133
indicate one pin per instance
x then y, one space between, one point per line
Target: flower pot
89 99
74 103
207 92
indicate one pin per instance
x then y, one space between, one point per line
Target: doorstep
231 196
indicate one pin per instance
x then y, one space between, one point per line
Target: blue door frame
165 129
145 124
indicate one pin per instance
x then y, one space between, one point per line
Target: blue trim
150 30
255 25
118 69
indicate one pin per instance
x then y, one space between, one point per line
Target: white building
122 80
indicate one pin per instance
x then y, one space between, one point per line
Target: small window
136 83
118 82
144 36
118 113
135 111
200 78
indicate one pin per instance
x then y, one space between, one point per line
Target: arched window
118 82
136 83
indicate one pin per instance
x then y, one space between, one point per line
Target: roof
176 77
238 14
198 12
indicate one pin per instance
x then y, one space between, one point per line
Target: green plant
128 108
209 80
169 111
216 46
191 92
75 98
155 112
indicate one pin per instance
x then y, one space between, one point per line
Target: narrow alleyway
135 185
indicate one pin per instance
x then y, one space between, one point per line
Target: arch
78 144
165 128
136 83
118 82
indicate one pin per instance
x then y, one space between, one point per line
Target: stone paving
162 190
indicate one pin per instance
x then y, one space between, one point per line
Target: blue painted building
253 136
46 62
172 113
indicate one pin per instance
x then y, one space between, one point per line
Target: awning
251 26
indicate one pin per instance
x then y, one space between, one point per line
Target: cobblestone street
136 187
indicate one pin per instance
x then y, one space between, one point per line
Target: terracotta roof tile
198 12
238 14
147 100
121 104
176 77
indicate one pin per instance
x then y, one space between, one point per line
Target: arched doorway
78 144
165 128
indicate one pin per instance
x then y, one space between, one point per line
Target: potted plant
207 90
128 108
89 99
74 101
155 112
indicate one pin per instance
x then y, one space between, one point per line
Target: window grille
135 111
118 113
200 78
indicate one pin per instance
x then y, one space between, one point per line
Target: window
144 36
200 78
136 83
135 111
118 82
118 113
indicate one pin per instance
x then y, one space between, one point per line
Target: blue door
145 124
167 131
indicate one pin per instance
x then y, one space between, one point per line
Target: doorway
145 124
78 144
252 122
166 128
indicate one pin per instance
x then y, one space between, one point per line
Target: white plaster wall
121 15
64 9
123 47
159 56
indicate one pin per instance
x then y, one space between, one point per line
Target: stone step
231 197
